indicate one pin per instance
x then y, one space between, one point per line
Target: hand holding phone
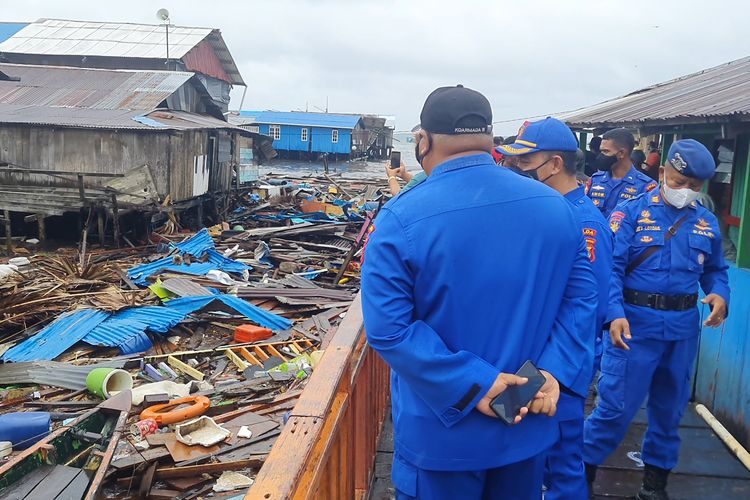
395 159
508 404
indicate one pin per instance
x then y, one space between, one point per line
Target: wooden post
8 233
199 212
81 191
116 221
42 227
100 225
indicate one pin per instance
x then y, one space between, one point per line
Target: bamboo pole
739 451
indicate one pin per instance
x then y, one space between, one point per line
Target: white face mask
679 198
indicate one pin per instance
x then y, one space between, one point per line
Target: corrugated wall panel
724 362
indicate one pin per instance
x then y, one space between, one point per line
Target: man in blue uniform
666 244
616 179
468 275
548 154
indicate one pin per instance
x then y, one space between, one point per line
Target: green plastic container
106 382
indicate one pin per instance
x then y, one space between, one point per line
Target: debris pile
170 367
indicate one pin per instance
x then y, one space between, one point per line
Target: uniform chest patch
646 239
701 258
703 225
596 203
631 190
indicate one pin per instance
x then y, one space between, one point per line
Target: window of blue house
304 135
275 132
334 136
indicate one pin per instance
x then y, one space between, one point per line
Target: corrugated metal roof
324 120
199 245
719 92
65 87
59 37
96 98
56 337
51 373
126 329
260 316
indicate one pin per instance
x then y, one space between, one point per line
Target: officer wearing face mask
616 179
547 151
666 244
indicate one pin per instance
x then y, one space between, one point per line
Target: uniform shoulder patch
370 230
590 235
649 187
615 219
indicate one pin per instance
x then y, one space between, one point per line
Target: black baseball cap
456 110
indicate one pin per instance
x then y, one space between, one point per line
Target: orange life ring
164 416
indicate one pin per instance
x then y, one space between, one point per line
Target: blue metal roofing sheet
198 245
265 318
58 336
325 120
126 329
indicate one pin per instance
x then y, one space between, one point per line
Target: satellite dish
162 14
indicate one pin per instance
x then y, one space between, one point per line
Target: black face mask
604 162
531 174
418 156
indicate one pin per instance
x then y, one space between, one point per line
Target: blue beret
692 159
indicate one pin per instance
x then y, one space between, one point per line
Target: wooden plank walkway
707 469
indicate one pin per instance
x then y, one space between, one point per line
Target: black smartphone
508 404
395 159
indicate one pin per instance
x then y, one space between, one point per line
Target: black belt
660 302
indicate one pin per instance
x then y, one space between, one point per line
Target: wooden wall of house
171 156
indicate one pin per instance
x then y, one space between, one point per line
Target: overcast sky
531 57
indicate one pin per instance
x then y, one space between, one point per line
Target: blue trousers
659 369
519 481
564 474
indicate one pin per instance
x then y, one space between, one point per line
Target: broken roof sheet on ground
127 328
201 245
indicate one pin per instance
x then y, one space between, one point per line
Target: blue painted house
308 135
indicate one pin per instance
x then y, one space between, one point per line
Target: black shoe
654 484
590 478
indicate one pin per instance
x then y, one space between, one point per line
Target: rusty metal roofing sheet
58 86
722 92
59 37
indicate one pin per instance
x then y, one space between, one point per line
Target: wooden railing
327 448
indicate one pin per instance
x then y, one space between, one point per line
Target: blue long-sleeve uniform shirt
598 237
599 242
694 255
471 273
607 193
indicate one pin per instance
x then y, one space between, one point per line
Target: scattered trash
142 428
215 333
203 431
635 456
106 382
229 481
